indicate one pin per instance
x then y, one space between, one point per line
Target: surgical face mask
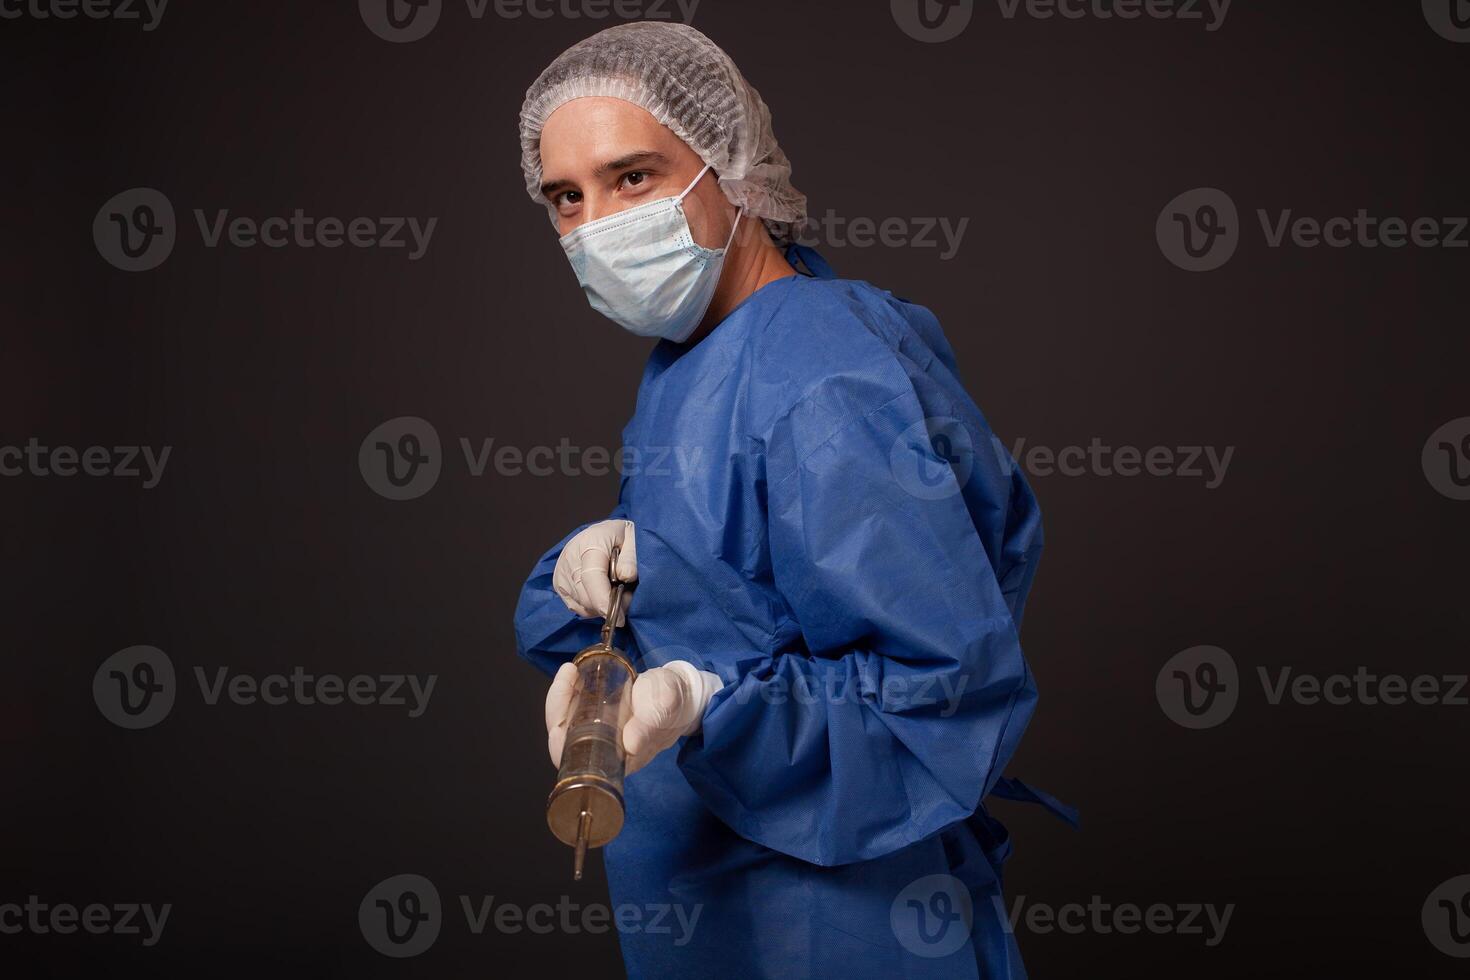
642 269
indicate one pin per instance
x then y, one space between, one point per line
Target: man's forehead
601 114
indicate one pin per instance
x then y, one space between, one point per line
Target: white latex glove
558 703
580 577
668 703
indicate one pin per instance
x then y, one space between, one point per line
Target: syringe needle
584 824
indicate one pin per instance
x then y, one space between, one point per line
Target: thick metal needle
579 854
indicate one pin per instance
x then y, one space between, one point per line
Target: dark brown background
263 548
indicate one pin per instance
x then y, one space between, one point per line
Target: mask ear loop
738 214
731 240
697 179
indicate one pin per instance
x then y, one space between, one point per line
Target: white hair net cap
686 82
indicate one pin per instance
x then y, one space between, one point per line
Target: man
831 565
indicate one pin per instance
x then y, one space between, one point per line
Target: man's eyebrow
627 161
630 160
551 187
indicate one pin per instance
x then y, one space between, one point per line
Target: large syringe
585 808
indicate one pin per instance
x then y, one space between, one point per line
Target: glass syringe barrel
586 805
585 808
594 745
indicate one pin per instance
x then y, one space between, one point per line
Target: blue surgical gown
824 520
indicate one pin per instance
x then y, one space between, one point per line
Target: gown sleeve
890 708
548 634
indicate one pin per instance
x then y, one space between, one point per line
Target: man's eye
568 197
635 178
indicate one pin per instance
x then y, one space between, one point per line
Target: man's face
600 156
